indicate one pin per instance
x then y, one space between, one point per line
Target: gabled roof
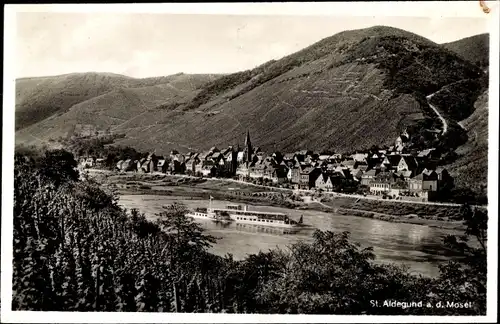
426 152
348 162
331 166
303 152
426 175
308 170
370 173
411 162
357 173
324 177
440 170
339 173
359 156
362 167
393 159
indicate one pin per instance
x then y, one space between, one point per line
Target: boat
240 214
204 213
201 214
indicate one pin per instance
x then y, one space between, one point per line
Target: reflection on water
419 247
251 228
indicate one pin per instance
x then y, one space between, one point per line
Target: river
417 246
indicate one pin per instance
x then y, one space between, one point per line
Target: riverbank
445 217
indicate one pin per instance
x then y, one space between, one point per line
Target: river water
417 246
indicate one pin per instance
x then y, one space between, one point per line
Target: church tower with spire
248 149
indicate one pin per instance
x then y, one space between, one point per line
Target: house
324 157
177 166
88 162
391 161
360 157
324 182
336 157
119 165
431 153
338 179
402 141
350 164
277 156
445 180
304 153
294 173
279 173
405 174
100 163
139 165
231 162
308 177
240 156
382 183
368 176
208 170
425 181
129 165
257 171
213 149
407 163
242 171
356 174
162 165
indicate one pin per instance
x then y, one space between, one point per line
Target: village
393 173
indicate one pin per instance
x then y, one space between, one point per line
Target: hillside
349 91
50 107
470 169
475 49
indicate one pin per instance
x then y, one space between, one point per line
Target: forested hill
349 91
475 49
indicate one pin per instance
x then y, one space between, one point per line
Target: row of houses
394 171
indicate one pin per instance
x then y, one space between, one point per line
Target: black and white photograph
250 162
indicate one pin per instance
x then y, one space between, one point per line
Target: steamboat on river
241 214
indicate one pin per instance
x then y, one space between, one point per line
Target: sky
144 45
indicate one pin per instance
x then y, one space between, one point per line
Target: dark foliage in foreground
76 250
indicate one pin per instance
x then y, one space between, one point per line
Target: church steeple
248 149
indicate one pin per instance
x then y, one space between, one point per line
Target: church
245 158
402 141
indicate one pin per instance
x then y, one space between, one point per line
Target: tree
59 166
185 243
464 280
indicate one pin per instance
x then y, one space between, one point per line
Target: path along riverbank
433 215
